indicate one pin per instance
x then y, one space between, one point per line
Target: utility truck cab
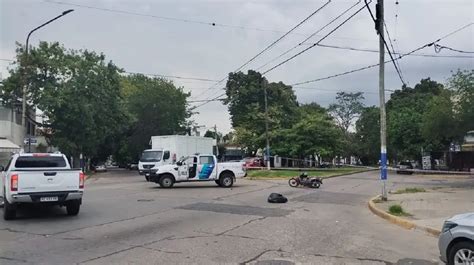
151 159
167 149
199 167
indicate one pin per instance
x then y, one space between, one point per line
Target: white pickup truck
40 178
198 168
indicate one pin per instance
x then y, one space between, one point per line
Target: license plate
48 199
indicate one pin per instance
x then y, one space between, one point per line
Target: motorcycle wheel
293 182
315 185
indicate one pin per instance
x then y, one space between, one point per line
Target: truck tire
166 181
73 207
226 180
9 210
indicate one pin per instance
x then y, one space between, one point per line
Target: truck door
207 167
192 163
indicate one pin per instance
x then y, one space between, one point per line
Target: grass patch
409 190
397 210
285 174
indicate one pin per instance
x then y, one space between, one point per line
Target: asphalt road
126 220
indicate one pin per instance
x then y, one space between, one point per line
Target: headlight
448 226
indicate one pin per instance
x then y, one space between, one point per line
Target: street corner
425 209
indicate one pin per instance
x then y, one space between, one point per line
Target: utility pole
217 141
383 118
266 126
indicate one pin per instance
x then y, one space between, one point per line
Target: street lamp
25 86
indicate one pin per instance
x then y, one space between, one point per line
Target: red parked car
253 162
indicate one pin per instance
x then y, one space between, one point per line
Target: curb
400 221
327 177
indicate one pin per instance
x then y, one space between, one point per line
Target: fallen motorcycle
304 180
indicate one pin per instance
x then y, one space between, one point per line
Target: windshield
40 162
151 156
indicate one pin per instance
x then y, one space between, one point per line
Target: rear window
40 161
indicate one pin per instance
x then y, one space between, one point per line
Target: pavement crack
109 254
13 259
241 225
260 254
23 232
161 251
111 222
359 259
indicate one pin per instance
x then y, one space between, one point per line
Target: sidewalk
432 207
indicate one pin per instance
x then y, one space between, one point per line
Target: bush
397 210
409 190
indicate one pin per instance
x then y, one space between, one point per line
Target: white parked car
198 168
456 241
41 178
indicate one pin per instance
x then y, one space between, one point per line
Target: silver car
456 241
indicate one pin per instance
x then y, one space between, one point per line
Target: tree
405 111
314 134
78 92
439 127
245 100
347 109
462 85
154 106
368 136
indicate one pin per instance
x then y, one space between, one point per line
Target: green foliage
405 111
245 100
264 174
439 127
154 107
409 190
313 134
462 85
348 106
90 107
367 138
396 209
78 91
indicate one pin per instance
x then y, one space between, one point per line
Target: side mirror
166 155
179 163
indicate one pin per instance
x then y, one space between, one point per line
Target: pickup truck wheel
166 181
73 207
226 180
9 210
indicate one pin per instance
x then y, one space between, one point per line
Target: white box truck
167 149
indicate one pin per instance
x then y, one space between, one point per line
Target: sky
177 38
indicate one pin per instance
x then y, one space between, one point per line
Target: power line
397 53
332 31
184 20
332 90
397 62
6 60
207 101
438 49
314 45
376 21
176 77
269 46
374 65
310 36
362 68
